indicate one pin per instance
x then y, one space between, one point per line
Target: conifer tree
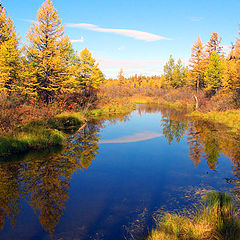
168 69
179 75
213 75
89 76
9 54
48 52
197 64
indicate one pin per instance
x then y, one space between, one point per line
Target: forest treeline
212 75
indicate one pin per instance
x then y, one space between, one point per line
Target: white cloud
81 40
140 35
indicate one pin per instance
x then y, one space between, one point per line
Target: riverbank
216 219
41 134
229 118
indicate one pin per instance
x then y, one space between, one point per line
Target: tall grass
230 118
216 220
40 134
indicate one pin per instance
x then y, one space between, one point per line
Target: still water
114 176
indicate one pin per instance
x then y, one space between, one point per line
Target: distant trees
175 73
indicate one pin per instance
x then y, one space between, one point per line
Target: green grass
38 135
229 118
67 121
216 220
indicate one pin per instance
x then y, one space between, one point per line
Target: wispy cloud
140 35
195 19
81 40
134 138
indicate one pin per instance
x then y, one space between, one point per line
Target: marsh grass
215 220
67 121
229 118
40 134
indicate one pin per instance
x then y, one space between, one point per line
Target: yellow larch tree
48 53
9 54
197 64
88 74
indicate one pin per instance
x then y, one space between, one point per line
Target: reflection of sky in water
137 124
133 138
126 184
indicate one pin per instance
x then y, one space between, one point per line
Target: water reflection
43 179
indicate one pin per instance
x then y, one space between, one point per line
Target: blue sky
136 35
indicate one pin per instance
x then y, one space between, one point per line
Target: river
115 176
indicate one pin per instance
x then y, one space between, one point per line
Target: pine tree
89 76
48 53
9 54
197 64
213 75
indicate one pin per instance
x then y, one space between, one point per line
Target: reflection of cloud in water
133 138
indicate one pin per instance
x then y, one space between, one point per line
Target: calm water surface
114 176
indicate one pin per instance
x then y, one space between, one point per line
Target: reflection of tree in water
82 146
195 145
173 124
173 129
44 178
10 192
203 142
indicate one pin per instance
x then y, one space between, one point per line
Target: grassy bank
216 219
42 134
229 118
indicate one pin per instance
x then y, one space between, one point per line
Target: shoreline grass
215 220
40 134
230 118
